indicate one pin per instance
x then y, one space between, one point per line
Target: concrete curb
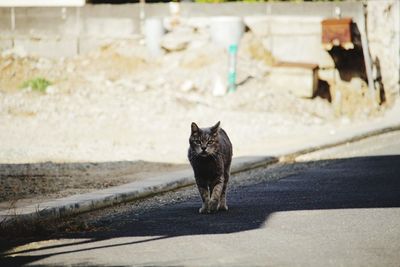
338 142
104 198
119 194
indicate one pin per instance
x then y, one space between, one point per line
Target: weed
38 84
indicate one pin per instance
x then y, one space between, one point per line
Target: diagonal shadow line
34 261
50 247
92 248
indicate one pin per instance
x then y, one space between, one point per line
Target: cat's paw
223 207
204 209
213 205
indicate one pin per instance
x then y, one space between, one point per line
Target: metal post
142 15
232 51
12 19
78 28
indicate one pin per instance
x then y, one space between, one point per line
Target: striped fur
210 154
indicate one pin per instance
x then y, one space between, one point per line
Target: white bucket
154 31
226 30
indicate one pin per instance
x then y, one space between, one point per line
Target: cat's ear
215 128
195 128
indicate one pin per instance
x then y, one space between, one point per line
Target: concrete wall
57 31
5 29
292 38
383 24
93 24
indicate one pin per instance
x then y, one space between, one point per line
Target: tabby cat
210 154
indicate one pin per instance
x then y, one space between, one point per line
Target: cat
210 154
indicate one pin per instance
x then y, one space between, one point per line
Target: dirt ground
21 183
108 109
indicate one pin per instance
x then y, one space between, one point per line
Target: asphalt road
326 212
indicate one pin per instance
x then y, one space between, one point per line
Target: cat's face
204 141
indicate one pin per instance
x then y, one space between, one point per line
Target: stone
70 67
301 79
51 90
17 51
140 87
259 25
187 86
175 42
43 64
219 88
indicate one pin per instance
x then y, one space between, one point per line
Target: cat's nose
203 148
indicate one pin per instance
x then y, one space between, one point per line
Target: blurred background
103 87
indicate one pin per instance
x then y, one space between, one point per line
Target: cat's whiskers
194 156
215 156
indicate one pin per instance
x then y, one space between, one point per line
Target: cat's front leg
205 197
215 196
222 204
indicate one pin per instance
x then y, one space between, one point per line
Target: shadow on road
361 182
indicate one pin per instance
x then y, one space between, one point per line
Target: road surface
323 212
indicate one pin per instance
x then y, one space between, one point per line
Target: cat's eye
196 142
210 142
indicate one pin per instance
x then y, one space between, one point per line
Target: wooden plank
303 65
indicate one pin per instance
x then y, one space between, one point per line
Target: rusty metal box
337 32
